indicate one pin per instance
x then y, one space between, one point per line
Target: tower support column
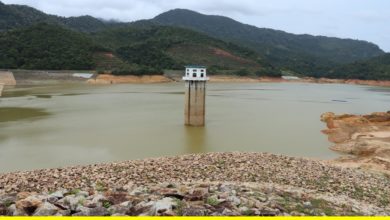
1 88
195 103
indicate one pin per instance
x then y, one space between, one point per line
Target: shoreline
384 83
111 79
26 77
105 79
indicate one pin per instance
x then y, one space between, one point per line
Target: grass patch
180 205
107 204
74 191
8 203
248 212
100 187
212 201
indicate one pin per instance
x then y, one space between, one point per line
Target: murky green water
54 126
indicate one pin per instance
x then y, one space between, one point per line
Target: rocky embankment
205 184
365 138
191 199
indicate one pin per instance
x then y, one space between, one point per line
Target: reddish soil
224 53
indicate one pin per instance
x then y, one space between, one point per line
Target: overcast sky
357 19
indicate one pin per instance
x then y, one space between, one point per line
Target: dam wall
7 78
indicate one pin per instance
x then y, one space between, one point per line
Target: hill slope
131 50
14 16
45 46
172 48
377 68
301 53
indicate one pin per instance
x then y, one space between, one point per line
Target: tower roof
195 66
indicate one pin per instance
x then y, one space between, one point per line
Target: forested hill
177 45
301 53
377 68
46 46
128 50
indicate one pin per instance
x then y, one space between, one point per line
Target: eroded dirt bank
349 81
221 78
364 138
28 77
111 79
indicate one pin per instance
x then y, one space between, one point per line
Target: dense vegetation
171 48
377 68
135 50
46 47
14 16
146 54
300 53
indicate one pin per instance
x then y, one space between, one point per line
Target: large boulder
46 209
29 204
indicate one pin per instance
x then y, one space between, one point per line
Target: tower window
194 75
202 75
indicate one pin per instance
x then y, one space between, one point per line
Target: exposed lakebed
62 125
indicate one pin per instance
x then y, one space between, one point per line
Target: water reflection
196 139
8 114
379 89
3 138
73 94
15 93
43 96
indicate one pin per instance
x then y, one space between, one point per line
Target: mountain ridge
302 54
281 48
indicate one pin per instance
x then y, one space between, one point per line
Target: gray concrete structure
1 88
195 95
7 78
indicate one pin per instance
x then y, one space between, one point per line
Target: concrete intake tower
195 95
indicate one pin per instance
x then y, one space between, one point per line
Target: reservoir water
61 125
